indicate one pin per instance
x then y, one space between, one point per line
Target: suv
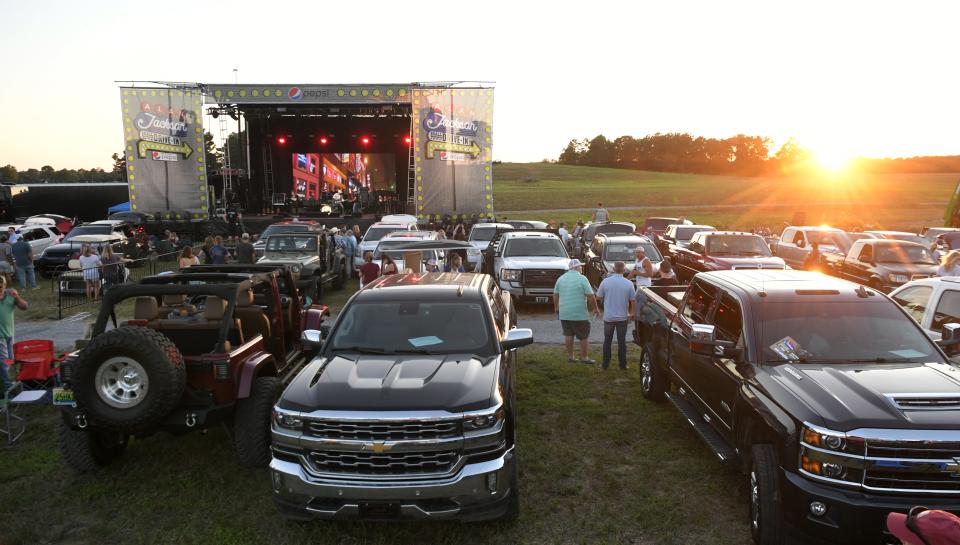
313 256
288 226
677 237
527 263
723 250
608 249
201 349
581 243
393 243
795 243
373 235
409 410
882 264
480 236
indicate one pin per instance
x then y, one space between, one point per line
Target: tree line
742 155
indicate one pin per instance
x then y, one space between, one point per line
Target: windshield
374 234
659 224
825 238
841 332
609 229
397 255
907 237
534 247
387 245
685 233
737 245
277 229
625 252
290 243
88 230
483 234
890 253
397 327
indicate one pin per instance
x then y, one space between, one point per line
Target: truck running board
714 440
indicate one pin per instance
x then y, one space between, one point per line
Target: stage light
365 140
323 140
281 140
407 140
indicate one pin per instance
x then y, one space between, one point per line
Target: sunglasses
912 523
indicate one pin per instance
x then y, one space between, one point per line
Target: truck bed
668 297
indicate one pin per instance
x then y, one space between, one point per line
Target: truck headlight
482 421
473 251
898 278
832 455
295 268
288 420
511 275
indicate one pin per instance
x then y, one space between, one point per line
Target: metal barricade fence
71 285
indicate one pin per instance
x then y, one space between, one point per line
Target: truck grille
926 466
393 463
926 402
541 278
384 431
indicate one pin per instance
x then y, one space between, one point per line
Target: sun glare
833 159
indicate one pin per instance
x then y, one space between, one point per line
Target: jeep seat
176 303
253 320
145 309
196 335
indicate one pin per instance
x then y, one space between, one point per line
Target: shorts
576 328
6 267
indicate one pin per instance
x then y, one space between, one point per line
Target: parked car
57 256
62 223
527 224
526 263
393 243
313 257
373 235
202 349
606 250
723 250
40 237
677 237
658 226
932 302
582 242
882 264
121 229
826 395
795 243
384 424
288 226
931 233
480 236
900 235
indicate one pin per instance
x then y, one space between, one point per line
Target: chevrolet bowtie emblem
954 468
377 446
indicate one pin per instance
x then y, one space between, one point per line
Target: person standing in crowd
950 265
90 262
454 264
642 273
245 252
23 259
460 232
570 296
387 265
601 214
187 259
205 250
616 293
432 265
349 244
369 271
812 261
666 276
564 235
578 229
357 235
218 253
111 267
6 259
12 235
9 301
934 250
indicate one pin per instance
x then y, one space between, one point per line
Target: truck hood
753 262
354 382
907 269
846 397
535 262
288 258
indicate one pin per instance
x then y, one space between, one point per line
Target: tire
653 383
129 378
88 451
766 519
513 504
251 422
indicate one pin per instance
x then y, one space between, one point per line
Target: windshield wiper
412 351
850 360
360 349
880 359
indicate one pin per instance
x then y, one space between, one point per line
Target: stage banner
453 144
163 142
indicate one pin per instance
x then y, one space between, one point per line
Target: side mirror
949 335
702 339
516 338
311 339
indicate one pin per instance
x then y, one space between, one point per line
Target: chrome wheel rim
646 373
122 382
754 502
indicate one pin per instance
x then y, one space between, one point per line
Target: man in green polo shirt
570 296
9 298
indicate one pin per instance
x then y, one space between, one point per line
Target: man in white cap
570 296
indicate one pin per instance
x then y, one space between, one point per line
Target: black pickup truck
825 394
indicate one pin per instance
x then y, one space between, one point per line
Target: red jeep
201 349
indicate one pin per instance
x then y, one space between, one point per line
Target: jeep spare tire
129 378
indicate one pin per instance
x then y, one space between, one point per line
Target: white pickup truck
932 302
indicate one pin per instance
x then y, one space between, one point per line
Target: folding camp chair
13 398
39 365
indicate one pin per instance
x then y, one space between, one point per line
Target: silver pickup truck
795 243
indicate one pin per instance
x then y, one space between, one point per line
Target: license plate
63 397
379 510
542 299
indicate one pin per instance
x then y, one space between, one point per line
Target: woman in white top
667 276
642 273
950 266
187 258
90 262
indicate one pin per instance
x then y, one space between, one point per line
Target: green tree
213 155
600 152
8 173
238 154
119 164
570 154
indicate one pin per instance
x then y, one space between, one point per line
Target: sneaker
588 361
572 360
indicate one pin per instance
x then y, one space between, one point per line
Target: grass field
599 464
894 201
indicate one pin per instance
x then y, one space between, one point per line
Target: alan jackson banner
164 148
452 139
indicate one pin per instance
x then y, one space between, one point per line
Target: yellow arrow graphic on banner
144 146
433 147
